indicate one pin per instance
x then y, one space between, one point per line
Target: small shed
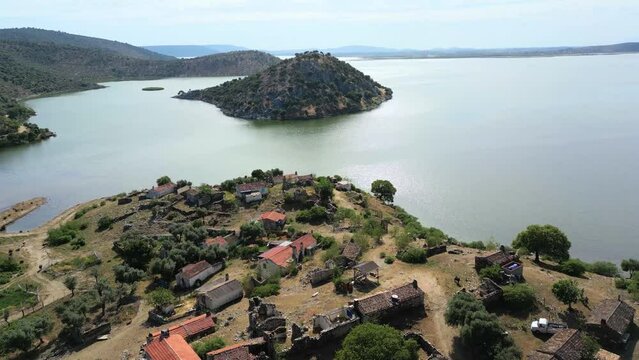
610 321
362 270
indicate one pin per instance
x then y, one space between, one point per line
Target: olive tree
544 240
383 190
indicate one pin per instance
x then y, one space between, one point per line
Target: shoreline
19 210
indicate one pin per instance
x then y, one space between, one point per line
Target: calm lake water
477 147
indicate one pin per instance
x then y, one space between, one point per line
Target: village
272 266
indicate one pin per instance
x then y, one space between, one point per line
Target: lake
477 147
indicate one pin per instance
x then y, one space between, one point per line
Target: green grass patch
76 263
17 296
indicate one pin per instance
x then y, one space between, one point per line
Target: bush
161 297
266 290
413 255
519 297
315 215
201 347
621 283
475 245
331 253
104 223
64 234
382 255
492 272
573 267
604 268
389 260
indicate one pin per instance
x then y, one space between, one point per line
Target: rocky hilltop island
310 85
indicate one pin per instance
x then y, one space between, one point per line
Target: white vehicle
542 326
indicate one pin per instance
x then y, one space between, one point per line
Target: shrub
362 240
389 260
331 253
316 214
475 245
413 255
201 347
64 234
604 268
573 267
492 272
161 297
519 297
382 255
621 283
104 223
266 290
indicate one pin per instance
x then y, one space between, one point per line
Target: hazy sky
286 24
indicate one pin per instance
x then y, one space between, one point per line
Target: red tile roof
279 255
305 241
256 186
273 216
192 270
191 327
239 351
166 187
221 241
232 352
173 347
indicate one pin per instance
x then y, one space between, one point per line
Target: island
153 88
285 265
310 85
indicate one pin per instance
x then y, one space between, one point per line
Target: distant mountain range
187 51
381 52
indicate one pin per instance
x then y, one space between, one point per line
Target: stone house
294 180
171 343
220 294
610 322
251 192
349 254
388 303
273 221
278 259
195 274
567 344
157 192
509 263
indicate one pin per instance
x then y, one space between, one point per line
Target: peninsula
310 85
293 266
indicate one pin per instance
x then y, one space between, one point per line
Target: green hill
61 38
310 85
41 67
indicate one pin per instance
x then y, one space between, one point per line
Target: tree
251 231
383 190
324 188
127 274
163 180
42 325
258 174
519 297
484 335
161 297
105 292
376 342
71 282
630 265
460 307
544 239
164 267
567 292
6 312
135 250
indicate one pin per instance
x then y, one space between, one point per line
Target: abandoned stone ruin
265 321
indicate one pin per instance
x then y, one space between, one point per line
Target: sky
296 24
